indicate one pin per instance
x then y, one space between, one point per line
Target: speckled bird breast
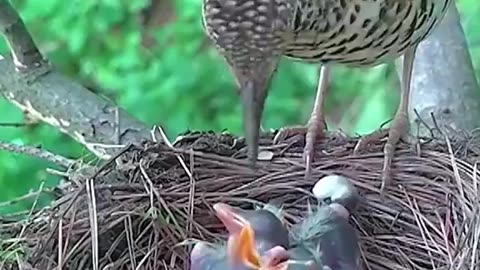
361 32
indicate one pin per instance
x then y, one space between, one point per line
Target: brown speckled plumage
355 32
361 32
252 35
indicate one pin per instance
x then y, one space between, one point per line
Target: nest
135 210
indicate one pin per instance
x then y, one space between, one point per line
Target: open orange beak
241 243
277 258
243 246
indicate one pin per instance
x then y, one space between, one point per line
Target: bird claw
307 158
364 141
311 133
292 132
286 132
398 131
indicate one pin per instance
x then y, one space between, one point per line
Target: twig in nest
420 119
187 170
38 153
60 244
169 144
159 197
435 123
92 212
27 196
144 259
11 249
62 214
456 173
111 160
130 240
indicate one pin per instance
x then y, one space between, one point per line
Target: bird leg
316 126
400 125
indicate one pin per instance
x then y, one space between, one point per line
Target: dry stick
111 160
444 237
24 227
169 144
476 228
149 190
130 241
60 245
185 168
475 180
38 153
92 211
461 251
159 198
457 177
144 259
60 217
69 233
15 125
464 225
191 195
30 195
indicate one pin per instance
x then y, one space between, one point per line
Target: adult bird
256 236
325 235
252 36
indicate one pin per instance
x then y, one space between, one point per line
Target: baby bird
256 238
325 235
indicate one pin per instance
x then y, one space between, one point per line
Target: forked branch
29 82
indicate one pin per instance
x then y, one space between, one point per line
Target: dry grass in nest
146 202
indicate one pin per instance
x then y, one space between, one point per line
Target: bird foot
397 131
364 141
288 132
312 131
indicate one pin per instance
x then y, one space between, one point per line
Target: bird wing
317 223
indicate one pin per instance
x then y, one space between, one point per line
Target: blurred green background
155 61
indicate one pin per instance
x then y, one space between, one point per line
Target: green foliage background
179 82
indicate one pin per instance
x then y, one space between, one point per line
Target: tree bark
28 81
444 82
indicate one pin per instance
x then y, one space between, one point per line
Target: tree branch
24 51
38 153
30 84
444 81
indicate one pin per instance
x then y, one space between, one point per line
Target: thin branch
29 196
54 99
15 125
38 153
